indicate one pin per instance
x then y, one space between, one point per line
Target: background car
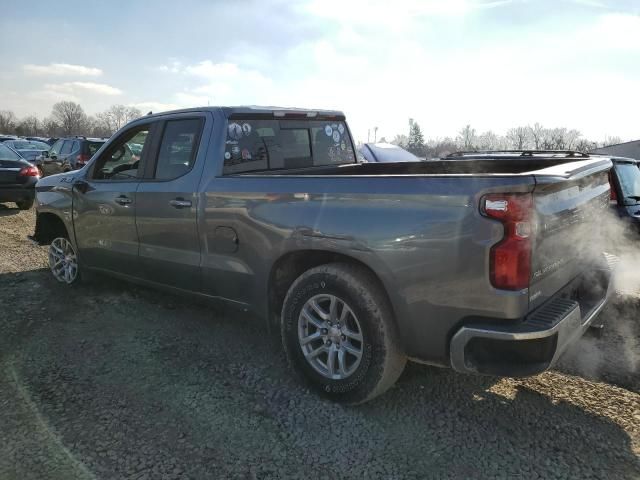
624 179
386 153
17 178
4 138
29 149
69 153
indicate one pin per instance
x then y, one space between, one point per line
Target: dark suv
624 179
68 153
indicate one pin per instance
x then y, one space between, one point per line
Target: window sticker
227 155
246 129
336 136
341 129
235 131
246 154
328 130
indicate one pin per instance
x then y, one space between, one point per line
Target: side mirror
45 154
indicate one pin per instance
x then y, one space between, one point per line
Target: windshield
7 154
629 177
387 153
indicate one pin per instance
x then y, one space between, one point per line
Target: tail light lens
29 172
510 262
82 159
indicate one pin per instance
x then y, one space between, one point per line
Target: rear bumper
535 343
13 194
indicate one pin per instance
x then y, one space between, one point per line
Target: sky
494 64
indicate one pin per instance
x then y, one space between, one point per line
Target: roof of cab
259 110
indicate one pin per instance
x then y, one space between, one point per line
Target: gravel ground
108 380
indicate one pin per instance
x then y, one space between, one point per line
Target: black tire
382 360
25 204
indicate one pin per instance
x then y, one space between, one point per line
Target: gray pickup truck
487 263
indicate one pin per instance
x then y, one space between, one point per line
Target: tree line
529 137
68 118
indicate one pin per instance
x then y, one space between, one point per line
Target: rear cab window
273 144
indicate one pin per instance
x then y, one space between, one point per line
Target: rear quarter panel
423 237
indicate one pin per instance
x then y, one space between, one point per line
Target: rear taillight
613 196
29 172
82 159
510 262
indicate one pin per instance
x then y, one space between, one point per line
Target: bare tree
97 127
400 140
489 141
584 145
609 140
518 138
70 117
29 126
467 138
50 127
441 147
572 138
117 116
537 135
7 121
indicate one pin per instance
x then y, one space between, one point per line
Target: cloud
73 87
372 12
61 69
221 83
154 107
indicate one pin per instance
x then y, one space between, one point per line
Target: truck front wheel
339 335
63 260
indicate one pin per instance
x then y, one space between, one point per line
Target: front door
104 205
167 204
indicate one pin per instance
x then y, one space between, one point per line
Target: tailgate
571 201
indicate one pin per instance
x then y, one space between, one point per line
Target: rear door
104 204
167 203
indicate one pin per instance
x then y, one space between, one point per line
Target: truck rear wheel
339 335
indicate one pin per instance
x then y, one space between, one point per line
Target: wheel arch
49 226
287 268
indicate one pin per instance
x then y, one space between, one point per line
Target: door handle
180 203
122 200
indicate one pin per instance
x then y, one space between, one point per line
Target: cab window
122 160
178 148
254 145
